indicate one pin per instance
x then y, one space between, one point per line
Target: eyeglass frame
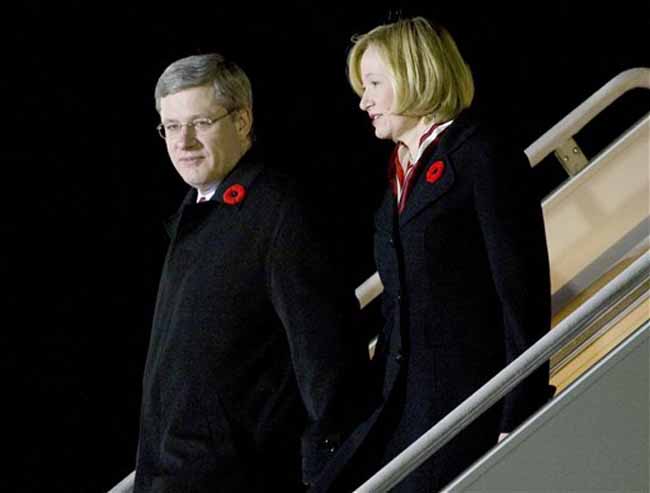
161 127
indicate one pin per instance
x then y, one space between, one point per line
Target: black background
87 183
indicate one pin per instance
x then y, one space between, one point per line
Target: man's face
201 155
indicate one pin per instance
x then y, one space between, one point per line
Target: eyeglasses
172 130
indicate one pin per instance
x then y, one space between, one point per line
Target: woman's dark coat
466 290
252 355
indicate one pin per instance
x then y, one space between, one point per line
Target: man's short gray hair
231 84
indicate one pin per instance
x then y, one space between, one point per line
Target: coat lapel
427 191
424 192
244 174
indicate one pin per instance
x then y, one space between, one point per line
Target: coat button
330 444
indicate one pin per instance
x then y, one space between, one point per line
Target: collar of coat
423 193
459 131
244 173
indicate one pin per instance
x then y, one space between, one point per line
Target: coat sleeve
512 224
328 350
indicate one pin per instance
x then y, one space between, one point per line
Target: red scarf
405 179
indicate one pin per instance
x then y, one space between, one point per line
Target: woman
460 248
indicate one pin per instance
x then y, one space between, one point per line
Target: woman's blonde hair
430 77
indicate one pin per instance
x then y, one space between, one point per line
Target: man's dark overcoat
252 353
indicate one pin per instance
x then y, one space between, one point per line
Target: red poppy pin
435 171
234 194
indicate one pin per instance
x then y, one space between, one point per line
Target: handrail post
565 129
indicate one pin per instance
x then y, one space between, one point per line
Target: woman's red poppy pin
234 194
435 171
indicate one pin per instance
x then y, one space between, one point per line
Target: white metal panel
594 437
604 208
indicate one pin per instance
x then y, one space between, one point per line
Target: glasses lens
161 131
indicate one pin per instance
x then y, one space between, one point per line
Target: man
252 354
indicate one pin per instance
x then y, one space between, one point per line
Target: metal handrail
567 127
126 485
369 289
506 379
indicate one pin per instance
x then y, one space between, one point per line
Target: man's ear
243 121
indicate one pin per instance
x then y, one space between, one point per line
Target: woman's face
378 98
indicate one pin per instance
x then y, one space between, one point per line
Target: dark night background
87 183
